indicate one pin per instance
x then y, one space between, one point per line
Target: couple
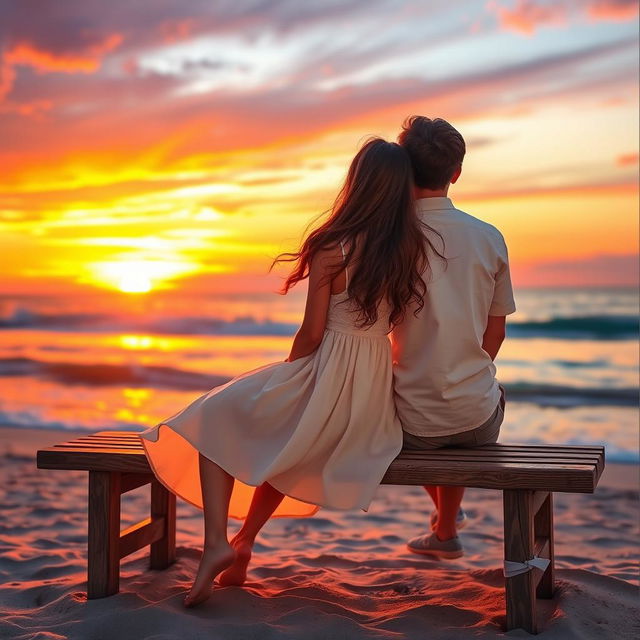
396 258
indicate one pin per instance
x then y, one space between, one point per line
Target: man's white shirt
444 380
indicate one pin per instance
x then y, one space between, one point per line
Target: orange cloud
527 15
627 159
25 53
615 10
86 61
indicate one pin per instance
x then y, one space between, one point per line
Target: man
444 375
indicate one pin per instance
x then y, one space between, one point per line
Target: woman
319 429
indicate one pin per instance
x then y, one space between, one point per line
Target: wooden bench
528 475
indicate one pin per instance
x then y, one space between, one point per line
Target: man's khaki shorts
486 433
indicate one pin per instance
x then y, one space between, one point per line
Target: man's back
444 380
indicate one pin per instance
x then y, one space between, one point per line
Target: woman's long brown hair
375 214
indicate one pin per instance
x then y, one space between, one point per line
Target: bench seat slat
115 432
67 449
462 454
528 462
524 450
99 446
520 449
130 441
133 436
104 439
502 445
541 467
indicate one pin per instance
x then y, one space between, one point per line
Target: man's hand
494 335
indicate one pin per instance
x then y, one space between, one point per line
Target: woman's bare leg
264 502
217 554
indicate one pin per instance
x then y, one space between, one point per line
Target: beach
336 575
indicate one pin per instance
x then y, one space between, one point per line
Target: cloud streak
527 16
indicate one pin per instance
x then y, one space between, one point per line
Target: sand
337 575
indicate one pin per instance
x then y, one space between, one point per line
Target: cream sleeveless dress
321 429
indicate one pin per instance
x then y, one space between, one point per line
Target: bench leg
103 561
163 505
520 590
543 530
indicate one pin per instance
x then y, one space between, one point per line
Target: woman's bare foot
214 559
236 574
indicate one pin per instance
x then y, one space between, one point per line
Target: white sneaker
429 545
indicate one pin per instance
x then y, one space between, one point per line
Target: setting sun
139 275
135 283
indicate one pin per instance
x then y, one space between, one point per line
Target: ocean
569 363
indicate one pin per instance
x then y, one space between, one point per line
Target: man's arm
494 335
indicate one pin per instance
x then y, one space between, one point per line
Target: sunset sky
184 144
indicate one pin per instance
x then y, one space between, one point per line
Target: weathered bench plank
528 475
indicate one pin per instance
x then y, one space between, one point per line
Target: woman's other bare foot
236 574
214 560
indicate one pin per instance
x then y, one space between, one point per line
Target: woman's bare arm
310 334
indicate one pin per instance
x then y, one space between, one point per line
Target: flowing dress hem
149 434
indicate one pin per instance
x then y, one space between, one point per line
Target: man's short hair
436 150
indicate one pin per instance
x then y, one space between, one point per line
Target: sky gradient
189 142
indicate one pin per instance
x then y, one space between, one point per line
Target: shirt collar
439 203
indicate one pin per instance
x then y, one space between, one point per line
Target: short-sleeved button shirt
444 381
